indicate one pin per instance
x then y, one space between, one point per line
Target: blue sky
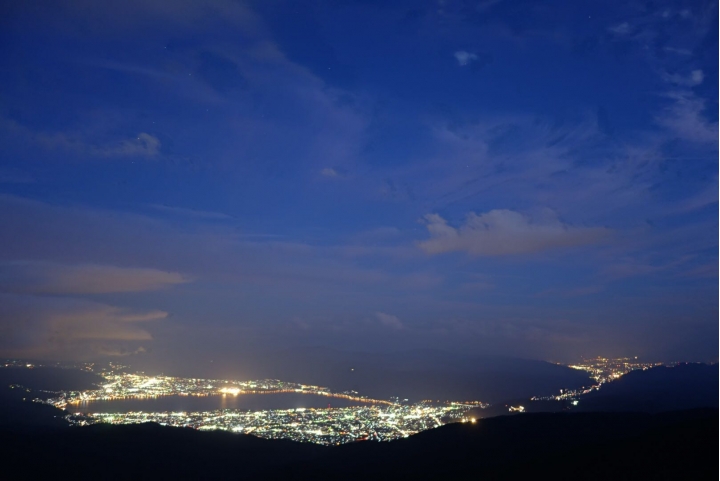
534 179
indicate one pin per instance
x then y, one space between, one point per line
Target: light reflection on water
252 402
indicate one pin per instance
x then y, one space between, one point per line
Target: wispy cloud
57 327
506 232
702 198
685 118
216 252
330 172
693 79
632 267
51 278
8 176
464 58
143 145
110 18
620 29
193 213
570 292
388 320
679 51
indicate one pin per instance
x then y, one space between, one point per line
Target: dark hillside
18 409
678 445
143 451
685 386
19 386
492 447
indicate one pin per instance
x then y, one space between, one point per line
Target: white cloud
388 320
505 232
464 58
51 278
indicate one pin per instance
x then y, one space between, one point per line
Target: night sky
182 179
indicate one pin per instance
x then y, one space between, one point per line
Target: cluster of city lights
375 419
141 386
379 419
329 426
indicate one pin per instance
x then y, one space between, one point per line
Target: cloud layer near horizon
62 327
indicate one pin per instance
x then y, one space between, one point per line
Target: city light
329 426
376 419
602 370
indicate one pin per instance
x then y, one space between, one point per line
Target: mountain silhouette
661 388
572 446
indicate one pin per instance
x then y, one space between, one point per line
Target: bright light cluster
378 420
602 370
140 386
328 426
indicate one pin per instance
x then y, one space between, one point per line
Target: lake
252 402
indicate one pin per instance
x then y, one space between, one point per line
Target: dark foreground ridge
672 445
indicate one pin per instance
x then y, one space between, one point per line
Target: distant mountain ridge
658 389
662 388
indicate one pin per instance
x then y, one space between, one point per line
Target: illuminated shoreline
139 386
